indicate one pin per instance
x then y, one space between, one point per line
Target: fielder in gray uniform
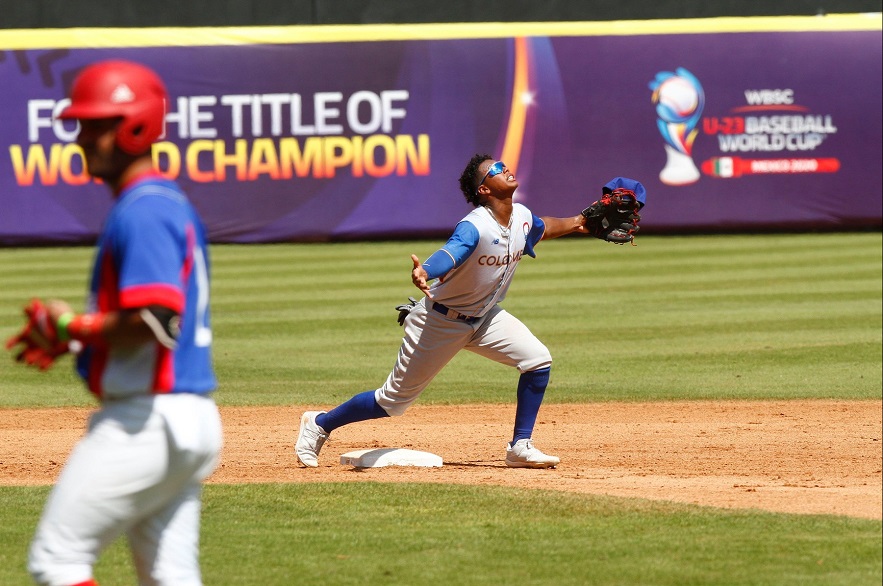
464 282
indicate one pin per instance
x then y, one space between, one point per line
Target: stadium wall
336 132
189 13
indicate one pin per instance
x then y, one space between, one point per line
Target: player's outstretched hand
419 276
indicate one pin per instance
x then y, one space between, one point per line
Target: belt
451 314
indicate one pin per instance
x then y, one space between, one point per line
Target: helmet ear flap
142 125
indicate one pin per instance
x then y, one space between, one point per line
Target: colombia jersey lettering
482 278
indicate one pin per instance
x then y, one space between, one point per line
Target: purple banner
367 140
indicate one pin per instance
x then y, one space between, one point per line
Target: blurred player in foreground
472 273
143 349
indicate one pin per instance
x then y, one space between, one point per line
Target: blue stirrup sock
531 388
360 408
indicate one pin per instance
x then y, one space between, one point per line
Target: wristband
61 325
87 327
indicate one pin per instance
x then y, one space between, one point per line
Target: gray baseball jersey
483 277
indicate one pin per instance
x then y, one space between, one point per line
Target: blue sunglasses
493 170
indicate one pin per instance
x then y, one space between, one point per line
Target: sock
360 408
531 388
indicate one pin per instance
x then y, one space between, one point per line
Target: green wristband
61 325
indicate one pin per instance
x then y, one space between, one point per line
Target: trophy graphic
679 101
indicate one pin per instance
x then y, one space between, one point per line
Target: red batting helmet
133 92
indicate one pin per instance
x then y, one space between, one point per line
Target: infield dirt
807 457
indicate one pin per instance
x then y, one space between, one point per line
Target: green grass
727 317
406 534
731 317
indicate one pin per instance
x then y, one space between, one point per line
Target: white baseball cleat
524 455
310 439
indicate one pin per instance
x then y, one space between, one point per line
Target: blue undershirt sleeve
459 246
534 236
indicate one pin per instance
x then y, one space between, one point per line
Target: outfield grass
727 317
740 317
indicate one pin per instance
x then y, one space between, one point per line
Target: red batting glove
39 337
33 354
43 332
40 358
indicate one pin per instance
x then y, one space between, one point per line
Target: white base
378 458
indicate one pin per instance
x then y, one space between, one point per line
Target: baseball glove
614 217
404 309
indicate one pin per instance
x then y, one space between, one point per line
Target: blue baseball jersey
152 251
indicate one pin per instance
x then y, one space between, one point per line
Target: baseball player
143 349
463 283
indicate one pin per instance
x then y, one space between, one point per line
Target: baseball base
378 458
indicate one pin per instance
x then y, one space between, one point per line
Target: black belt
450 313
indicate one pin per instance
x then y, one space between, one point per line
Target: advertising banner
332 133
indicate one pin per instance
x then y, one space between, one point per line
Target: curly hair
469 178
